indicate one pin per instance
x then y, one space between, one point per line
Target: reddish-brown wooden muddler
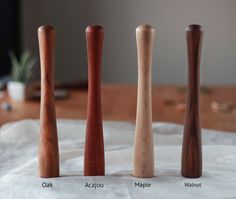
94 163
192 141
48 145
143 141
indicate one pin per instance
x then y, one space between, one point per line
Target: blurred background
19 58
20 20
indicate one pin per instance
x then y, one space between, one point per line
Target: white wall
120 18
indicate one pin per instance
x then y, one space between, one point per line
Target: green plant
22 68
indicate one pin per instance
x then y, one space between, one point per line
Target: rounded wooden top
145 28
194 27
94 28
45 28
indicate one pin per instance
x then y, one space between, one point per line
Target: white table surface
19 169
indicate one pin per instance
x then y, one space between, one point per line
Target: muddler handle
143 141
192 144
48 146
94 163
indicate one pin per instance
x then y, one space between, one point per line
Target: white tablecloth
19 172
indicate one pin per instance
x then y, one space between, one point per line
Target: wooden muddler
192 144
143 141
94 163
48 145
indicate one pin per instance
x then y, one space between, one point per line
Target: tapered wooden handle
94 163
48 146
143 141
192 145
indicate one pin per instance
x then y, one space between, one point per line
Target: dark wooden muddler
192 141
48 145
94 163
143 141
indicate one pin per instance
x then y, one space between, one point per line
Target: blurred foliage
22 68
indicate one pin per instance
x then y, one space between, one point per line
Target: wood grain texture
94 163
48 146
192 145
143 141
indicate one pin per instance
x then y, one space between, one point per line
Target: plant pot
16 90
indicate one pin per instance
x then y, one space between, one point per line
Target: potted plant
21 71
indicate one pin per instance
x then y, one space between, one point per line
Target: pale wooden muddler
48 145
143 141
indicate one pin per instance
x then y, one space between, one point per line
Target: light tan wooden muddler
143 141
48 146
